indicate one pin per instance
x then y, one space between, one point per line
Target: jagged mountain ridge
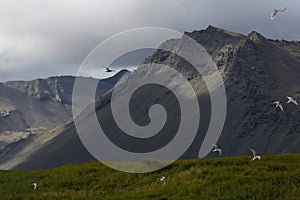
35 107
59 88
254 70
44 98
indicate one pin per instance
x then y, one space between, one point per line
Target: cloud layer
52 37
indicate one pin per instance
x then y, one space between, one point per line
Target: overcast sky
41 38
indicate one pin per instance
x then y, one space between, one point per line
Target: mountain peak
213 29
256 37
214 32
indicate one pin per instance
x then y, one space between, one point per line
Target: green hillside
273 177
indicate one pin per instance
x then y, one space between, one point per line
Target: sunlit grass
273 177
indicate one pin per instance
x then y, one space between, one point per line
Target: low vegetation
273 177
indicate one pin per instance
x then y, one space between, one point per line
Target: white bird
255 155
276 12
34 186
278 104
163 179
217 149
291 100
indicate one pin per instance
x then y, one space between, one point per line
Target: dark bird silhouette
109 70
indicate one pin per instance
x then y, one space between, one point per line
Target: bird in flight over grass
255 155
276 12
278 104
291 100
163 179
217 149
34 186
108 70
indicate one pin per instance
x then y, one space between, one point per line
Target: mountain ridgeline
256 72
31 111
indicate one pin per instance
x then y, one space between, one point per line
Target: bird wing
282 10
280 106
294 101
253 151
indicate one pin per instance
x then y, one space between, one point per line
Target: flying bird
276 12
34 186
108 70
217 149
163 179
278 104
291 100
255 155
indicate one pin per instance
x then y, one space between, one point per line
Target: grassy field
273 177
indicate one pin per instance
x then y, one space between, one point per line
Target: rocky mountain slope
256 71
29 108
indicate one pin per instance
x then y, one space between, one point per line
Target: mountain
29 108
256 71
59 88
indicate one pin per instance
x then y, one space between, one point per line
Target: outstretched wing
280 106
253 151
282 10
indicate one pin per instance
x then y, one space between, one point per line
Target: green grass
273 177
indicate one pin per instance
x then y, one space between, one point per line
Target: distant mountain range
30 109
256 71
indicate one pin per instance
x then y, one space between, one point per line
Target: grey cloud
44 38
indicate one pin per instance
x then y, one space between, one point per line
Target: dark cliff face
256 71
